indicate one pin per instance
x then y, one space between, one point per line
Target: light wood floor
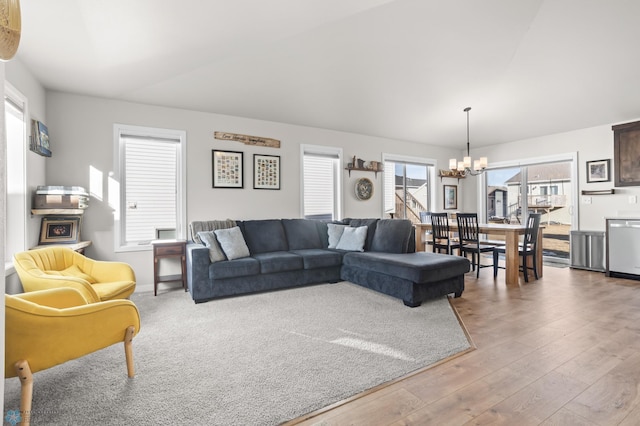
563 350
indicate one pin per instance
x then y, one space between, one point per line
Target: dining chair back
469 234
441 234
528 249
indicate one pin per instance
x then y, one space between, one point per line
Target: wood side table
169 248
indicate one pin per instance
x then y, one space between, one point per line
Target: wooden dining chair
527 249
441 235
469 234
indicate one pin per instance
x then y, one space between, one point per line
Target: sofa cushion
334 232
419 267
208 225
264 236
371 229
232 243
208 238
319 258
392 236
246 266
280 261
353 239
302 234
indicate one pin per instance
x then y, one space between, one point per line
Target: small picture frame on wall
59 230
227 168
598 171
450 197
266 171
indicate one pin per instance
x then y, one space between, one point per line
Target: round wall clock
364 189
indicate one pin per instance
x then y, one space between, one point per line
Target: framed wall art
266 171
60 230
228 169
598 171
626 154
450 197
40 139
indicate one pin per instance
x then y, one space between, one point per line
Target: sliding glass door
547 188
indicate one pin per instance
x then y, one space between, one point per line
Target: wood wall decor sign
247 139
626 153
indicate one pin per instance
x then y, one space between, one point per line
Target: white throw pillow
334 231
216 254
353 238
232 243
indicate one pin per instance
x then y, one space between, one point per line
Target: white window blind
321 194
150 188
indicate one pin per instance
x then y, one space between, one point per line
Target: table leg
420 242
512 258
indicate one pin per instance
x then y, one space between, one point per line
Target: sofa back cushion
302 234
264 236
371 229
392 236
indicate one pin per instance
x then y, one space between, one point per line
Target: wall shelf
362 170
57 211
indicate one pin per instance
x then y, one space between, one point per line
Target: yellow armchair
56 267
50 327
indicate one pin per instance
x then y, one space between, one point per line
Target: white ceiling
400 69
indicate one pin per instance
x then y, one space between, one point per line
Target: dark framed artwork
266 171
227 168
450 197
626 154
598 171
60 230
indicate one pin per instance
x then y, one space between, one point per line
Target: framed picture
598 171
228 169
60 230
626 152
266 171
40 139
450 197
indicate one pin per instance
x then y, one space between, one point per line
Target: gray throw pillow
334 231
215 251
232 243
353 238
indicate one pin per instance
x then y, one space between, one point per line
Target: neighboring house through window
152 191
408 186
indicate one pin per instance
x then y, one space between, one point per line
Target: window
408 187
321 183
16 188
150 164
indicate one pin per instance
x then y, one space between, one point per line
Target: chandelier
463 168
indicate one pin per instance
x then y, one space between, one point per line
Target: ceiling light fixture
463 168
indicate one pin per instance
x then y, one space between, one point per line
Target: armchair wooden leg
26 395
128 350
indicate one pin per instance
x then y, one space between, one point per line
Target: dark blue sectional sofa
286 253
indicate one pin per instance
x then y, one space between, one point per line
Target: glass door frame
571 157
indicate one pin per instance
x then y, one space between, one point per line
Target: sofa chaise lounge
282 253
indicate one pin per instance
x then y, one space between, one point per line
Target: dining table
511 233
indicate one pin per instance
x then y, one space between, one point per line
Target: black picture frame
598 171
227 169
450 197
59 230
266 171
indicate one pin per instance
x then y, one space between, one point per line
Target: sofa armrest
197 266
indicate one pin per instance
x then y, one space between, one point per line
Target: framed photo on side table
228 169
598 171
450 197
266 171
60 230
